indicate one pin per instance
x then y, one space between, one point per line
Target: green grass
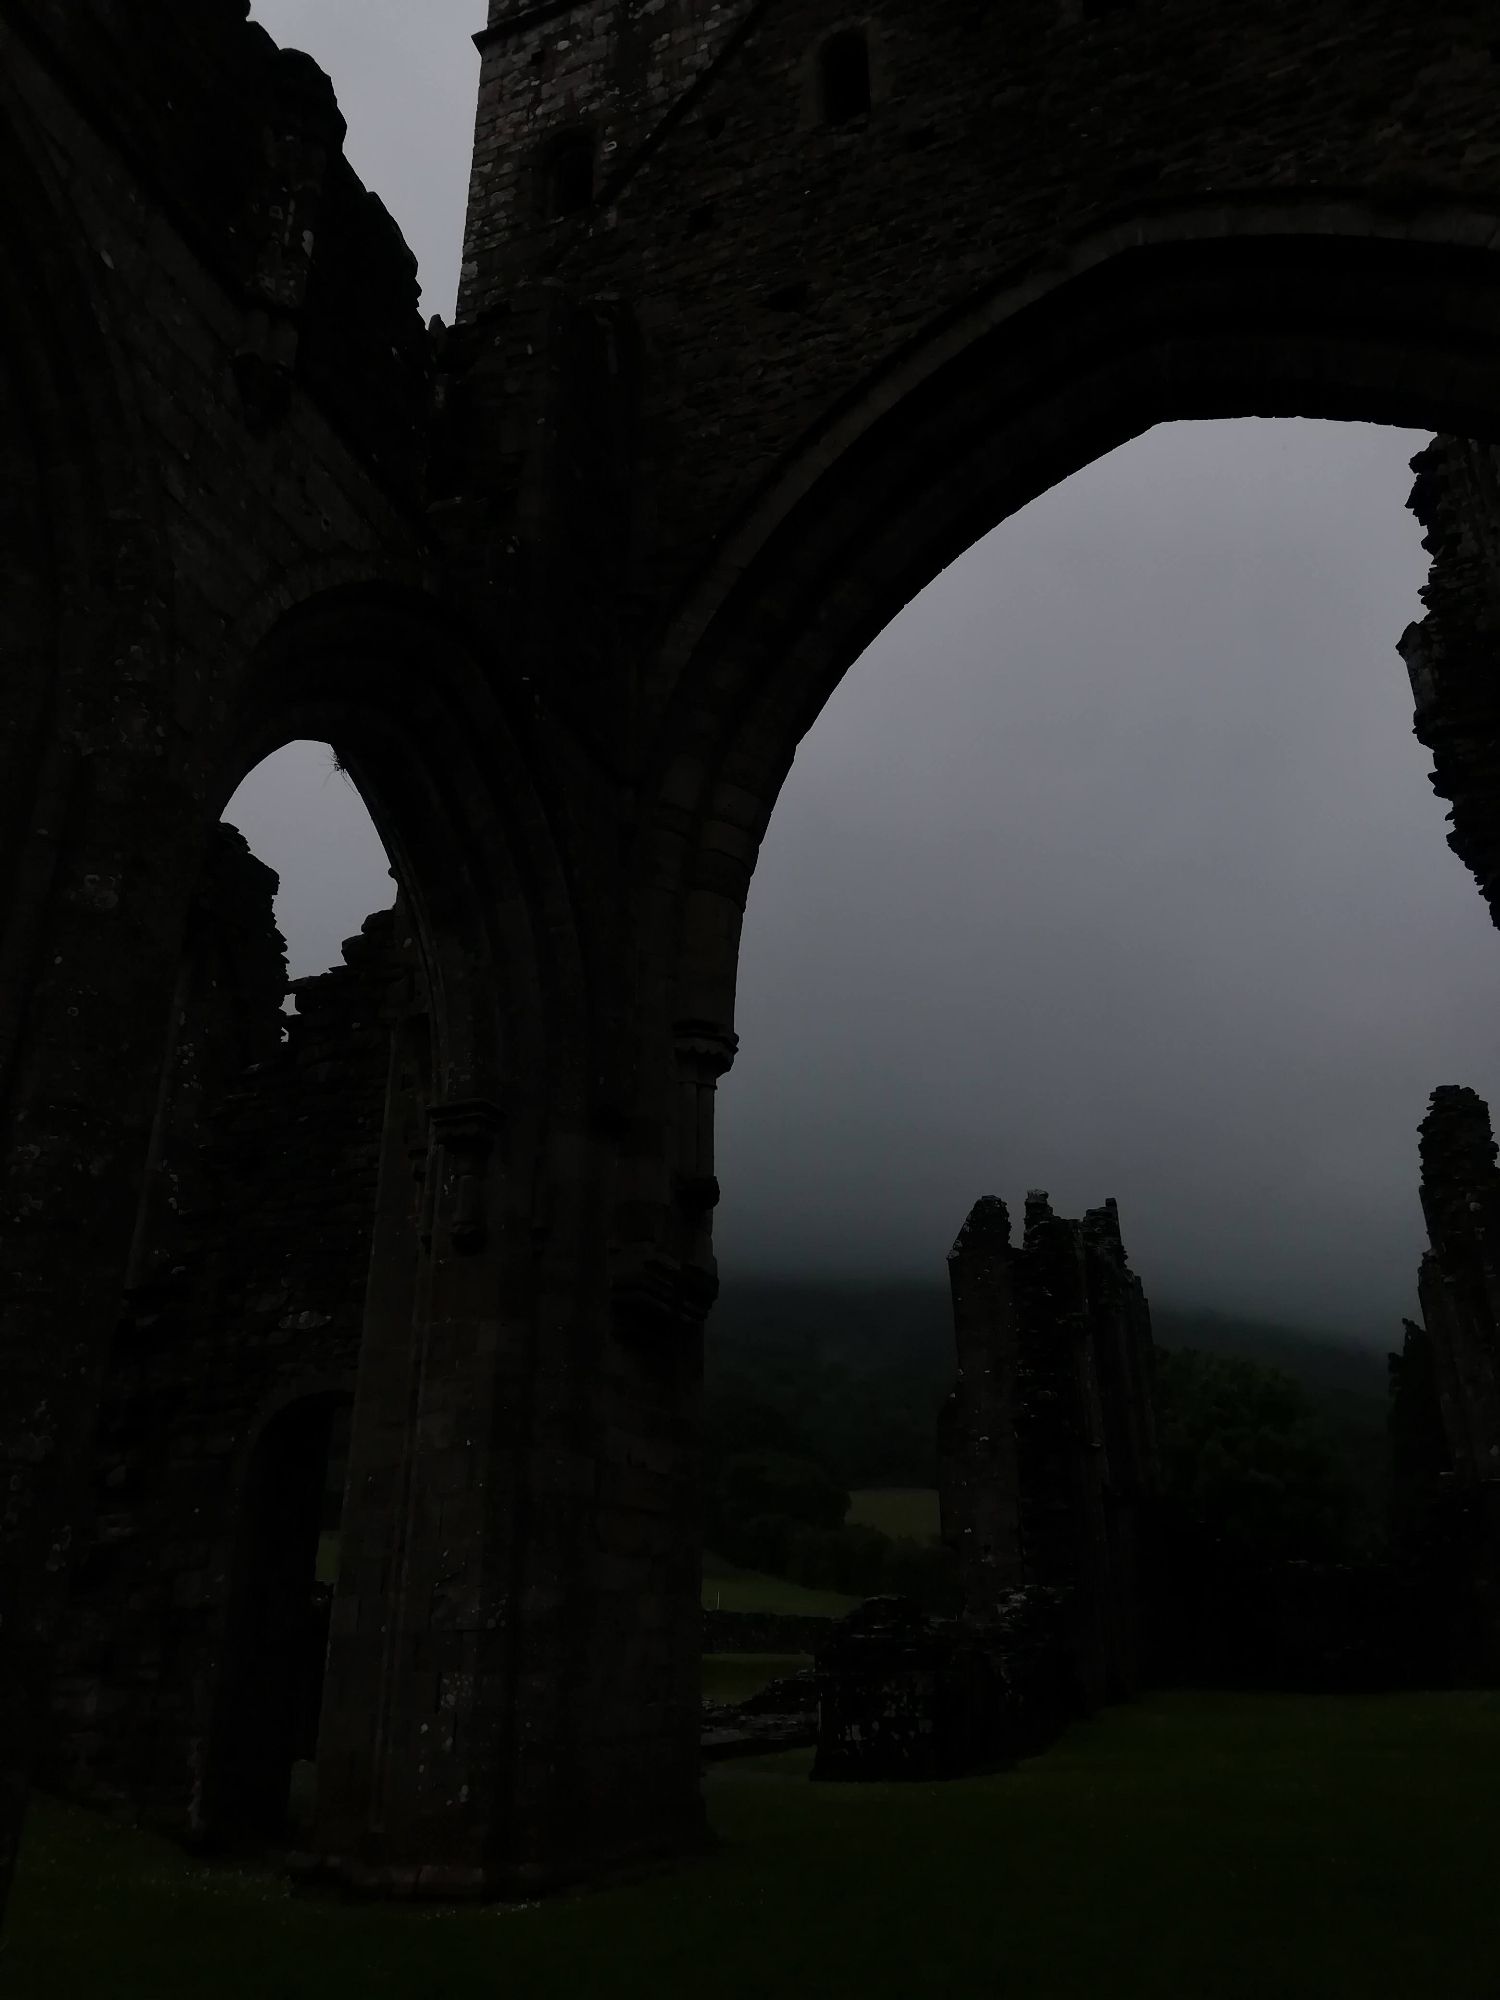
902 1512
1184 1848
726 1588
737 1676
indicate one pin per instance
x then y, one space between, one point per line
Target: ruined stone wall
1046 1446
978 1474
1452 653
249 1299
233 147
1459 1283
239 427
226 1016
214 372
1445 1415
1122 1351
1436 1531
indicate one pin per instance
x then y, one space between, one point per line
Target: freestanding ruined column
1459 1287
1459 1284
1060 1433
1120 1335
978 1477
1047 1443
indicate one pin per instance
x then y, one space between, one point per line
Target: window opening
567 175
844 77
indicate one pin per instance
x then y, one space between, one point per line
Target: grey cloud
1114 867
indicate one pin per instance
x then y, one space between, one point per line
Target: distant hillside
852 1373
1325 1364
1347 1383
875 1324
908 1323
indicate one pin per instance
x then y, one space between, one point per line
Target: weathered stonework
903 1697
1046 1464
1445 1415
245 1308
1459 1285
1450 653
1047 1443
738 369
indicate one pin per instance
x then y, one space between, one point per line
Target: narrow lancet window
566 177
844 77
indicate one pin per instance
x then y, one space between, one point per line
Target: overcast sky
1112 868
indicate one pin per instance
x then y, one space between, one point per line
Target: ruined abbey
769 309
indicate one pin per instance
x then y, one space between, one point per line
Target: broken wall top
211 116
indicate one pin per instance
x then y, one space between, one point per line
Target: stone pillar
1120 1340
978 1490
1047 1451
1420 1458
1061 1440
1460 1278
417 1695
1459 1287
351 1739
1433 1522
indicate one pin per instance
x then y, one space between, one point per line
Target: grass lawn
1185 1848
737 1676
726 1588
898 1511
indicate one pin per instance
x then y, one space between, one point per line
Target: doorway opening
276 1642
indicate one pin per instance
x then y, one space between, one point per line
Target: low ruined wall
763 1632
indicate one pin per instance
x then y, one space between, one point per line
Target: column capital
704 1048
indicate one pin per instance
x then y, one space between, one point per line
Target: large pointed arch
1291 309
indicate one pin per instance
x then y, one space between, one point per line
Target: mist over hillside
852 1374
909 1322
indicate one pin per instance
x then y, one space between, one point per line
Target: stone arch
478 1111
491 1175
385 675
1294 308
